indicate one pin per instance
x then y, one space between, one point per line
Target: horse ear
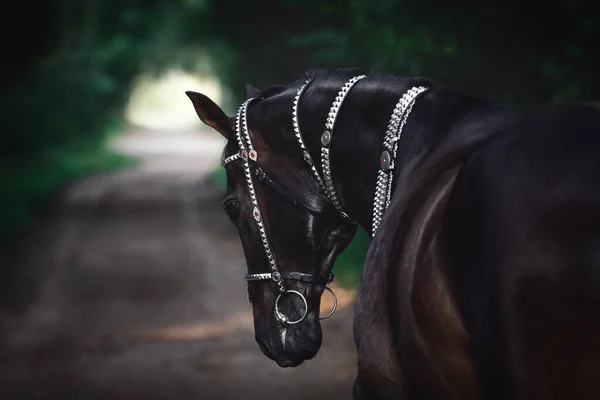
211 114
252 92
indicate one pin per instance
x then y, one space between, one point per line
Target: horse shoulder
411 339
434 343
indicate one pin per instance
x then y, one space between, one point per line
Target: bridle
249 157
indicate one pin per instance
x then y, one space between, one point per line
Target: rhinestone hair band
385 175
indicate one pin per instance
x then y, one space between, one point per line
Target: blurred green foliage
348 265
28 184
522 52
66 77
77 79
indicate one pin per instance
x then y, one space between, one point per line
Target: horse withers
481 281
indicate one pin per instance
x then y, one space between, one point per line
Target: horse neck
359 133
357 143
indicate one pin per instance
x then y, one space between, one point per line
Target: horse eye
232 208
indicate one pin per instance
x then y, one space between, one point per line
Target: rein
249 156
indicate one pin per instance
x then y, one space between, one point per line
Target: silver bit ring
334 304
282 318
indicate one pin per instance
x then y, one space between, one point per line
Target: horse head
291 232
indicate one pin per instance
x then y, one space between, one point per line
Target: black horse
483 277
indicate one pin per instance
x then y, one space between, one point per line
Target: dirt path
133 289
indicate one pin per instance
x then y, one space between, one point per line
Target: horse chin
291 346
292 358
285 362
